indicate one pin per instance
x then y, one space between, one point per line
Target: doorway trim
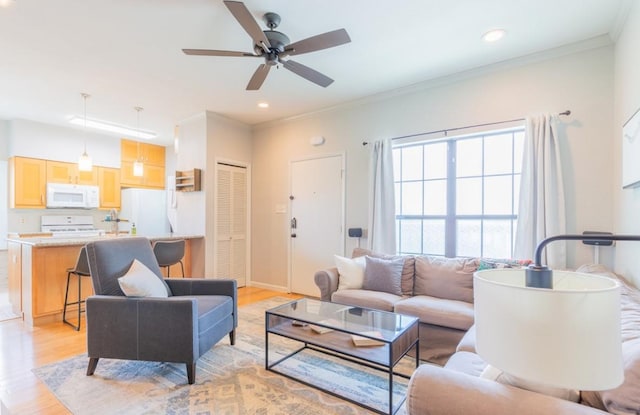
287 223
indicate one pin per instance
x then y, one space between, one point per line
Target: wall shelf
189 180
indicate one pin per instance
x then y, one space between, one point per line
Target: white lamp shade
84 162
567 337
138 169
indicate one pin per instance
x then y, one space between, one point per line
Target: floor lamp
555 328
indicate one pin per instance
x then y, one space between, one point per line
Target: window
459 196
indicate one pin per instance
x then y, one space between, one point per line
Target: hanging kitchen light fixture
176 139
138 167
84 161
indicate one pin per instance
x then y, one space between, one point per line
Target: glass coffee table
373 338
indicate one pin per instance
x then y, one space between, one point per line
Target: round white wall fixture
317 140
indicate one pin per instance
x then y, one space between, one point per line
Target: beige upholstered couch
458 389
439 291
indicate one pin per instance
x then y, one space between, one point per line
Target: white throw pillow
497 375
351 272
140 281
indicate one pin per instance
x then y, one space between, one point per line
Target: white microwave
61 195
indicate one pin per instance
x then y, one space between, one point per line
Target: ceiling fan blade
248 23
318 42
209 52
308 73
258 77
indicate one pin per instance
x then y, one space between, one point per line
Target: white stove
69 226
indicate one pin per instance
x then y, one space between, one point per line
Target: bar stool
169 253
80 270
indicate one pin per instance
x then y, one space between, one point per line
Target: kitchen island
37 272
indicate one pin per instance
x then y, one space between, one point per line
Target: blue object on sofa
196 315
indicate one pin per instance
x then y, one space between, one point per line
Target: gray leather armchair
197 314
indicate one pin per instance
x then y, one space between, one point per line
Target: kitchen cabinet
109 182
27 183
61 172
153 159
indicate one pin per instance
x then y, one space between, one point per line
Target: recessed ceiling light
494 35
263 105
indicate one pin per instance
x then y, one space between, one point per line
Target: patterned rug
229 380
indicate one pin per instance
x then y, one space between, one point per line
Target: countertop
45 241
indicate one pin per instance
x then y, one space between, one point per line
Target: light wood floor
22 349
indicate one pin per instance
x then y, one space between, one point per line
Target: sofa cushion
365 298
450 278
625 399
466 362
468 341
497 375
351 272
438 311
408 269
383 275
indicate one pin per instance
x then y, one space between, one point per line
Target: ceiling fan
273 46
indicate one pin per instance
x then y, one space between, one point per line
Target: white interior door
231 223
317 219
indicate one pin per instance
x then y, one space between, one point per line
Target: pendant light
138 167
84 161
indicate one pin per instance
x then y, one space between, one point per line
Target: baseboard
267 286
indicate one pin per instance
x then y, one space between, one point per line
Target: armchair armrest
327 281
437 391
160 329
206 286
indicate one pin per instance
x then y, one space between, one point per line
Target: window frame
451 218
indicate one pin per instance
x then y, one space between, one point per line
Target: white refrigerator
147 209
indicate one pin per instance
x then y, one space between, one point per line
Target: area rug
229 380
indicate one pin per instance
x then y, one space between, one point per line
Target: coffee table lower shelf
371 357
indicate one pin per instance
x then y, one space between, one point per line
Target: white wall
581 82
191 209
229 141
627 101
51 142
205 139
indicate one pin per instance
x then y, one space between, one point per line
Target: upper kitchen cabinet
61 172
152 157
27 183
109 182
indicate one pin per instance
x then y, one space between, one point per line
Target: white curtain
382 215
541 212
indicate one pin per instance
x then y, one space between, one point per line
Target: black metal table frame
321 348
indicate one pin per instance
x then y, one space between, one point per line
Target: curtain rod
364 143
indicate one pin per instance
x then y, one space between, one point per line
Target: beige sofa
458 389
439 291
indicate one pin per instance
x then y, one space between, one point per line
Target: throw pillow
450 278
408 269
383 275
497 375
140 281
351 271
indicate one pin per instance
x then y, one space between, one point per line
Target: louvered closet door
231 223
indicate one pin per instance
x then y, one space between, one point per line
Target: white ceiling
127 53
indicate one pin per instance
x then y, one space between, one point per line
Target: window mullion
450 222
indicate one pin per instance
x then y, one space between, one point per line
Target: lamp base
539 276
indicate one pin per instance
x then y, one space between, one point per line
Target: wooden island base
37 272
